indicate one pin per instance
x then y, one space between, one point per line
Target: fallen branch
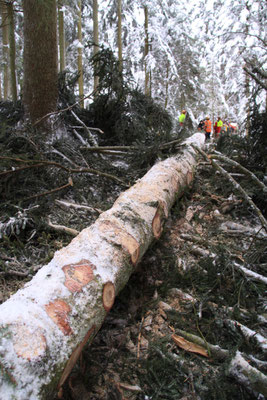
91 129
253 275
69 170
239 368
237 186
67 204
213 350
221 157
91 137
61 228
11 272
247 375
64 109
128 148
100 149
70 183
81 139
250 335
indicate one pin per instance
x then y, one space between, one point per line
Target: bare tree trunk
96 38
12 51
45 325
247 78
167 87
119 36
5 50
147 89
40 58
61 38
1 98
80 55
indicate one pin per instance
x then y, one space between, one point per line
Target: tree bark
40 58
96 39
12 51
45 325
80 55
5 50
61 38
119 36
147 89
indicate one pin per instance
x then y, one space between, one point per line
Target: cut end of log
73 358
58 312
132 247
78 275
157 223
189 178
118 235
108 296
29 343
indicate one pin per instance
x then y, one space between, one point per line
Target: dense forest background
201 56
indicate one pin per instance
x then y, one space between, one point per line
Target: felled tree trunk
45 325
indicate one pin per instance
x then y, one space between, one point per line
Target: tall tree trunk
119 37
167 87
12 51
40 90
247 78
1 98
61 38
147 87
5 50
45 326
247 97
80 54
96 39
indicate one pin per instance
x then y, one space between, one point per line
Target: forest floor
190 291
189 282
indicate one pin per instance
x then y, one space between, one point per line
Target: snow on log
45 325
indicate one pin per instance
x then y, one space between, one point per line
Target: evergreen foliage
124 113
250 151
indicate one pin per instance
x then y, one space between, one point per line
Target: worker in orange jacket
207 127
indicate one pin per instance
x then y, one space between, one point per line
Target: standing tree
80 54
61 37
4 24
96 39
147 88
12 51
119 36
40 90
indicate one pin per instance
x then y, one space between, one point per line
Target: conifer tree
40 58
80 53
119 36
147 87
5 51
96 40
12 51
61 37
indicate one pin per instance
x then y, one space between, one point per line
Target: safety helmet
207 117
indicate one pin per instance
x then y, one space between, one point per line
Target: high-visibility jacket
219 123
182 118
208 125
